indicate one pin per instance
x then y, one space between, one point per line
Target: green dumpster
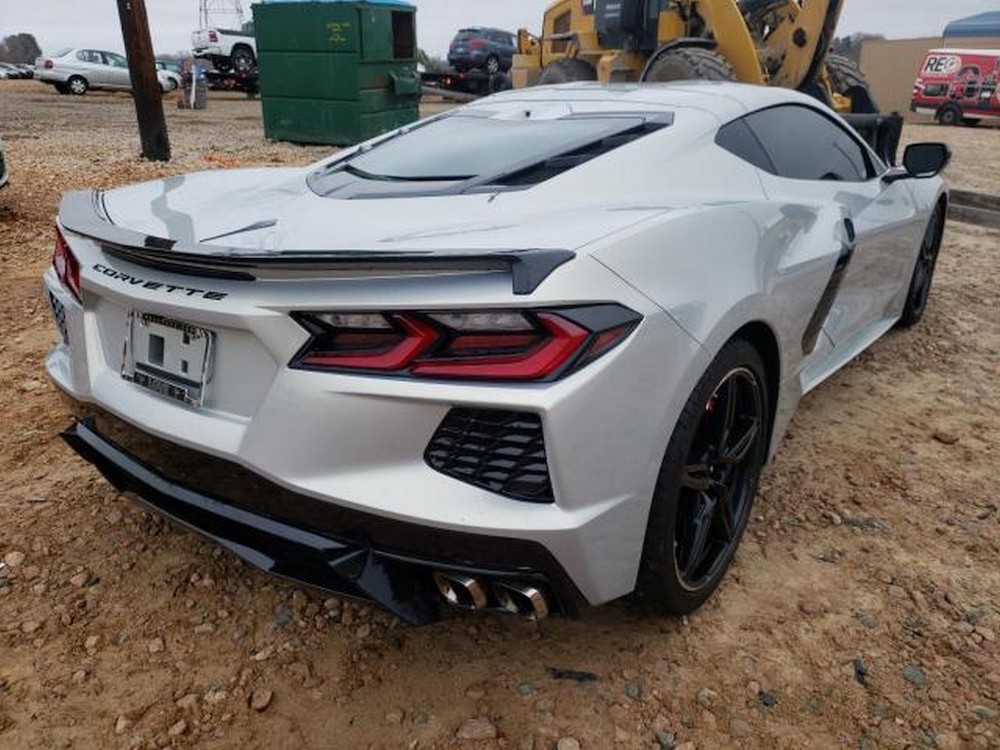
336 72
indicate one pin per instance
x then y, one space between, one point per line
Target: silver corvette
528 355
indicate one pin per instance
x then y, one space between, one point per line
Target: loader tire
688 64
567 70
847 80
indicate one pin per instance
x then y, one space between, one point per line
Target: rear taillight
521 345
475 43
67 266
213 37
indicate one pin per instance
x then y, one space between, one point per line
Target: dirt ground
862 612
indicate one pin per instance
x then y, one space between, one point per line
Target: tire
77 85
500 82
242 60
847 80
923 271
567 70
728 408
62 88
688 64
949 115
492 65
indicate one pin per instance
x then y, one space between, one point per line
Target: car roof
964 51
725 100
484 28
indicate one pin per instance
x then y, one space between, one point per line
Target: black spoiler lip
82 212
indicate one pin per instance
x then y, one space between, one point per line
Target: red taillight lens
212 36
67 266
522 345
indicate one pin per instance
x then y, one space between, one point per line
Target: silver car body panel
695 240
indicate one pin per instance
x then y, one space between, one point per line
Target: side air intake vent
501 451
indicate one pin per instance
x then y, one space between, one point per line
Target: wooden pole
145 85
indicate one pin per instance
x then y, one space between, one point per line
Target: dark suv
492 50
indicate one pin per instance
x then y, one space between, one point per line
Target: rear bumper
341 550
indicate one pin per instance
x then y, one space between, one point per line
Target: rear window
463 147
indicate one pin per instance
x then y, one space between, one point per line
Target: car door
816 158
87 63
117 71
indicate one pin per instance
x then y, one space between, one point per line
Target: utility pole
145 85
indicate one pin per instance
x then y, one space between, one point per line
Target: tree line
19 48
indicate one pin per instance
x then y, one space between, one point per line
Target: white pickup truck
227 49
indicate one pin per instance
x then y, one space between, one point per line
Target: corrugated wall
891 66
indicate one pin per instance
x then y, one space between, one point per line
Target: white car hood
272 210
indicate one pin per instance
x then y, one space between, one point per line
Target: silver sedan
77 71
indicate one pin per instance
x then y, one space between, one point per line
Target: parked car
529 377
226 49
958 86
77 71
491 50
14 71
172 71
3 167
3 75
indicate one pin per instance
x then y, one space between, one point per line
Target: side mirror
920 161
926 159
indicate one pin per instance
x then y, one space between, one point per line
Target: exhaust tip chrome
461 590
522 599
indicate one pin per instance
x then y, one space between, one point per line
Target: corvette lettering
187 291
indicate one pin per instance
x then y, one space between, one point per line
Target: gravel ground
862 611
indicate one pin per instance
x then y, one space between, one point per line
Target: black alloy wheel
719 480
923 271
707 483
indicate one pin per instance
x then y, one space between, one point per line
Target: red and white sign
941 66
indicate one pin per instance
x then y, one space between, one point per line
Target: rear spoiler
82 212
881 131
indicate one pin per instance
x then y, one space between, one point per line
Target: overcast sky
94 23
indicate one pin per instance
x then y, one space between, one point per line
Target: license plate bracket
169 357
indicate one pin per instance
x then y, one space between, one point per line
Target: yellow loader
767 42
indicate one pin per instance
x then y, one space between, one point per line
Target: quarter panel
716 269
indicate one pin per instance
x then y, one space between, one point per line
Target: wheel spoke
697 477
737 453
726 513
728 415
701 525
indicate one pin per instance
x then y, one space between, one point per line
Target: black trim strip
79 213
811 335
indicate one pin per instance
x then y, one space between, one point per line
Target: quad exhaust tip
461 590
521 599
467 592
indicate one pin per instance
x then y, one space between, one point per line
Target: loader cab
627 24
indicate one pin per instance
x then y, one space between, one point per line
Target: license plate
167 356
